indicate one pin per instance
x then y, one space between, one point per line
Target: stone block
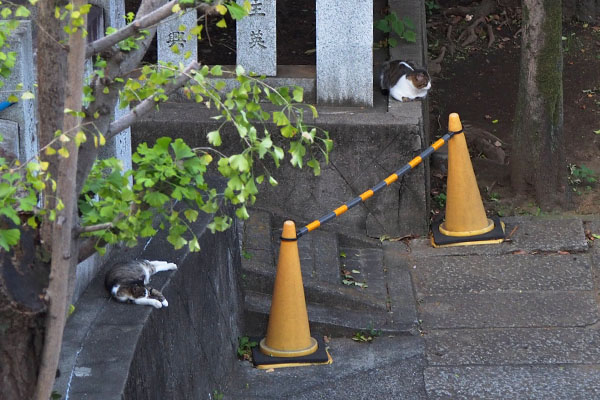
10 134
168 36
23 113
345 52
257 38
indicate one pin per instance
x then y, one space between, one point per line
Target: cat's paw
165 303
164 265
155 303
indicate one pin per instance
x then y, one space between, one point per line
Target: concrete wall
369 145
116 351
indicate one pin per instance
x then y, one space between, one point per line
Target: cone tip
454 124
289 230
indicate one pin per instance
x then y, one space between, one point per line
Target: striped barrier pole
386 182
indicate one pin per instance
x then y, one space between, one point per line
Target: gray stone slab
10 135
508 309
256 42
513 382
342 319
344 52
169 35
464 274
303 76
530 234
319 257
24 112
513 346
401 296
387 368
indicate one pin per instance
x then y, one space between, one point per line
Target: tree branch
151 19
149 103
93 228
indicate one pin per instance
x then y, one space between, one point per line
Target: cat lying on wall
128 282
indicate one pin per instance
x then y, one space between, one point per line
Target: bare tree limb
146 21
94 228
149 103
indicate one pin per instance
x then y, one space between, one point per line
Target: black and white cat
403 81
127 282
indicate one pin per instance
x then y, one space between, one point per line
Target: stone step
324 319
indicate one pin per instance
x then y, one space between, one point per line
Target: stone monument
174 43
257 38
22 113
345 52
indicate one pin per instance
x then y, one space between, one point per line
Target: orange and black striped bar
386 182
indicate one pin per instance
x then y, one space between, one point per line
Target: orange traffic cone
465 221
288 341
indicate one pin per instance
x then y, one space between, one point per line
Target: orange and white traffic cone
465 220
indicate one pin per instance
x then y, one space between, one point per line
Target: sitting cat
127 281
403 81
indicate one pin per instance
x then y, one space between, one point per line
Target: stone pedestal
345 52
257 39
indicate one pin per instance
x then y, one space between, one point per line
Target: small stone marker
257 38
170 36
345 52
23 113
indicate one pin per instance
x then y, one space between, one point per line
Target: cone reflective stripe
288 332
465 221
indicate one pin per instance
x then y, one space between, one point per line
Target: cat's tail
384 78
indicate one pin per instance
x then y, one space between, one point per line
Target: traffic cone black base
494 236
319 357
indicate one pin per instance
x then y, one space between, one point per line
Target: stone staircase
371 296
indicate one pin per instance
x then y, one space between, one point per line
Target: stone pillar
257 38
22 113
169 36
345 52
120 145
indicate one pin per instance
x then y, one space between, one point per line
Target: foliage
402 28
114 210
366 336
579 175
244 350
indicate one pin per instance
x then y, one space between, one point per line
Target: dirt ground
480 83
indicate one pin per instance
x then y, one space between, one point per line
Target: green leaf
239 162
242 213
27 96
236 11
9 237
280 118
22 12
298 94
216 70
410 36
222 23
214 138
191 215
597 132
181 149
155 199
314 164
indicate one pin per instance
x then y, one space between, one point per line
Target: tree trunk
23 278
51 62
64 248
538 149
